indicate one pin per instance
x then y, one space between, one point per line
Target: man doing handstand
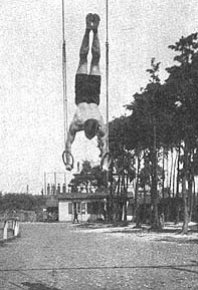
87 95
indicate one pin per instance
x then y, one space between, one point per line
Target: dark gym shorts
87 88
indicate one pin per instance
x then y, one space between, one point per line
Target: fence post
16 228
13 225
5 230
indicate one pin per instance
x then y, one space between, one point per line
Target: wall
82 208
63 211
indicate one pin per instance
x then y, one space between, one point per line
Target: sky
31 94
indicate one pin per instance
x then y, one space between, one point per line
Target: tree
182 87
89 177
123 171
13 201
164 118
147 118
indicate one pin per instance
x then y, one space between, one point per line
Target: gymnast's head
90 128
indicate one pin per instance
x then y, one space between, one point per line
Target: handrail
10 225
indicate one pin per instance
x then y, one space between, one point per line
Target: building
89 206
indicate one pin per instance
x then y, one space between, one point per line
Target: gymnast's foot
89 21
96 21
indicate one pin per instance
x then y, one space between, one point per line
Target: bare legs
95 68
84 49
92 22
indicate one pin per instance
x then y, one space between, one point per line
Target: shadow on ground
4 243
172 233
124 227
38 286
185 240
100 225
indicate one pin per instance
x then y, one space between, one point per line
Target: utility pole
45 186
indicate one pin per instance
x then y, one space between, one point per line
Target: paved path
64 256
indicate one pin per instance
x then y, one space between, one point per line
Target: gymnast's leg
95 67
84 49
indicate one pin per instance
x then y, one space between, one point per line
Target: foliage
88 177
182 87
12 201
163 117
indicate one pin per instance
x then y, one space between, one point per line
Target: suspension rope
107 98
64 75
107 73
65 102
108 155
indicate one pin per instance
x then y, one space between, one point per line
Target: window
83 208
76 207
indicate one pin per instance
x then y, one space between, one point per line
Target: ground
70 257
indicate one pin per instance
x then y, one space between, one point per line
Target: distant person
87 96
162 220
75 214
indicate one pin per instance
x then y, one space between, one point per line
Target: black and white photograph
98 144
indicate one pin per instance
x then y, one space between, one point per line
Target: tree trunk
110 203
171 173
191 185
167 172
184 192
117 208
194 200
144 211
154 202
135 218
125 211
174 174
185 205
155 224
123 198
190 194
163 173
178 171
177 187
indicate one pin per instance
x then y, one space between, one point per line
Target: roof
83 195
75 196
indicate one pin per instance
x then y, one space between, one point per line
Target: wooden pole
55 183
45 186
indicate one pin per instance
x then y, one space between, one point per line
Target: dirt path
64 256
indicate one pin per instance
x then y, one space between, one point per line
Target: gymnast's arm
103 139
73 129
104 147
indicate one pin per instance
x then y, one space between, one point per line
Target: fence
9 229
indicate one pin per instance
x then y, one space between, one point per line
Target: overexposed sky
31 101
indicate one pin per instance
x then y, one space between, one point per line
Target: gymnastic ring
65 160
103 158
